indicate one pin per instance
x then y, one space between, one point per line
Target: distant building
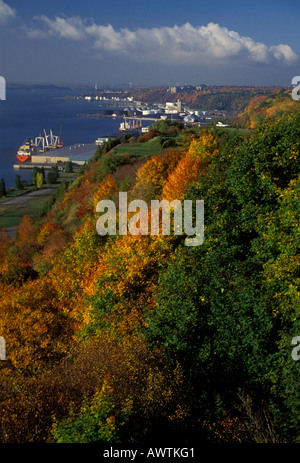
49 159
170 104
172 107
189 119
220 124
100 141
173 90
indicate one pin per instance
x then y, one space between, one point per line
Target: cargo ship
40 145
27 150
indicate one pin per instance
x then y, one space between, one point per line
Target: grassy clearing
25 202
145 149
232 130
11 214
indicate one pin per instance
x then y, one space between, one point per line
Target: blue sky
152 42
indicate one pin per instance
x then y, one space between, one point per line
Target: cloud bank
6 12
185 44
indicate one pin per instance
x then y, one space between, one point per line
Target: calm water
25 113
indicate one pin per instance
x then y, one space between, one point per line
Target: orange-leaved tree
189 167
153 174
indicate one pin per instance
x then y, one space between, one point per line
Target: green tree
167 127
95 422
226 309
3 191
35 170
69 167
18 182
53 175
55 170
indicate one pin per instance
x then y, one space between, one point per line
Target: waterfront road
27 197
13 209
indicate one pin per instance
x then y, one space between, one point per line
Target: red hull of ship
23 157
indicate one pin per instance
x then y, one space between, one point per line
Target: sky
150 43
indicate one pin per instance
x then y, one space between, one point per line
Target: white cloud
183 44
68 28
6 11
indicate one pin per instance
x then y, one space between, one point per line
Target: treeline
38 179
134 339
232 99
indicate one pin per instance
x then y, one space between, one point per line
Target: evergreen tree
35 170
18 182
69 167
3 191
52 175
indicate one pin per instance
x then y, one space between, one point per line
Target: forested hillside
262 107
130 339
229 98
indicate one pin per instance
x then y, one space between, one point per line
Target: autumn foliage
187 171
123 339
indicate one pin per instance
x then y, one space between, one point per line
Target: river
27 112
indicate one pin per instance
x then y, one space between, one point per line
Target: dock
78 154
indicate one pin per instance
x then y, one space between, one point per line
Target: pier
143 118
77 154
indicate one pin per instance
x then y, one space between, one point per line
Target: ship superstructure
41 144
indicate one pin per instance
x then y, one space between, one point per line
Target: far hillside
265 107
232 99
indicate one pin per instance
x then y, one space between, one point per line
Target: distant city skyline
150 43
